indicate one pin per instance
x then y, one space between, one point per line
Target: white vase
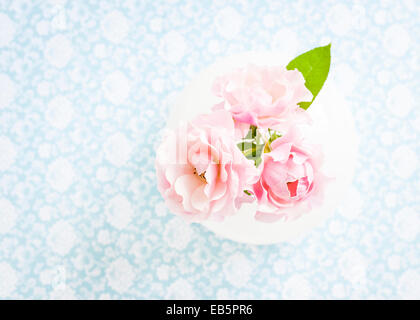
332 127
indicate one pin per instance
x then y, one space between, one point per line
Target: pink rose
291 180
266 97
201 171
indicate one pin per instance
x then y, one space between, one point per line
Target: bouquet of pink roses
250 147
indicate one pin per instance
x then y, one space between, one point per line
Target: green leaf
254 152
251 145
251 150
252 133
314 66
245 145
273 135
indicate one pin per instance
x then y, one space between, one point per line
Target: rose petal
184 186
281 152
199 199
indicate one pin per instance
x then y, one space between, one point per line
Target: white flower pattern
85 88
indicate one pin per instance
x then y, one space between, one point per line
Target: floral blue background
84 90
